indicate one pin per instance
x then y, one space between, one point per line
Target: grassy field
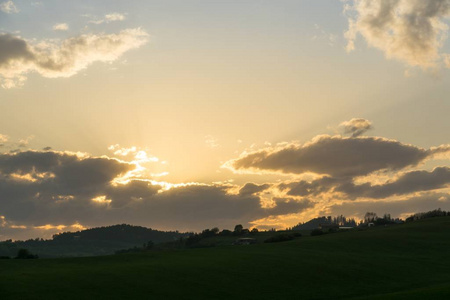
410 261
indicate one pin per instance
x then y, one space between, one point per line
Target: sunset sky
190 114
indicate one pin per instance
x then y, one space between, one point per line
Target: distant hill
316 222
123 233
94 241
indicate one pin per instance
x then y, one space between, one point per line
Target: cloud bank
18 57
52 189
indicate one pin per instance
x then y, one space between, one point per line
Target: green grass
408 261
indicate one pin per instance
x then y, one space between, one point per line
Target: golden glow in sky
192 114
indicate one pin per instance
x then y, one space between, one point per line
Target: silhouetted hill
123 232
316 222
89 242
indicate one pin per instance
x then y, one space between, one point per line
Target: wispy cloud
321 34
8 7
61 27
108 18
211 142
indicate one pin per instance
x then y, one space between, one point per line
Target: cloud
61 27
252 188
336 156
18 57
290 206
66 170
411 31
8 7
114 17
356 126
321 34
313 188
12 230
3 138
140 157
25 142
108 18
211 142
447 60
407 183
410 182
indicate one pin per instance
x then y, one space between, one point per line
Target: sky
186 115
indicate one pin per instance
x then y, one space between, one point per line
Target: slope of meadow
399 262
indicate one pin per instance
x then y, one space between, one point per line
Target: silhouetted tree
226 232
370 217
238 229
149 245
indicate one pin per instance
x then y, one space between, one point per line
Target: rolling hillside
407 261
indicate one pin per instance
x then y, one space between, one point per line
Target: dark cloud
290 206
13 49
410 182
34 184
67 171
415 181
337 156
306 188
356 126
135 190
251 188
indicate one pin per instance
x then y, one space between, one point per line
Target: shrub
25 254
280 238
